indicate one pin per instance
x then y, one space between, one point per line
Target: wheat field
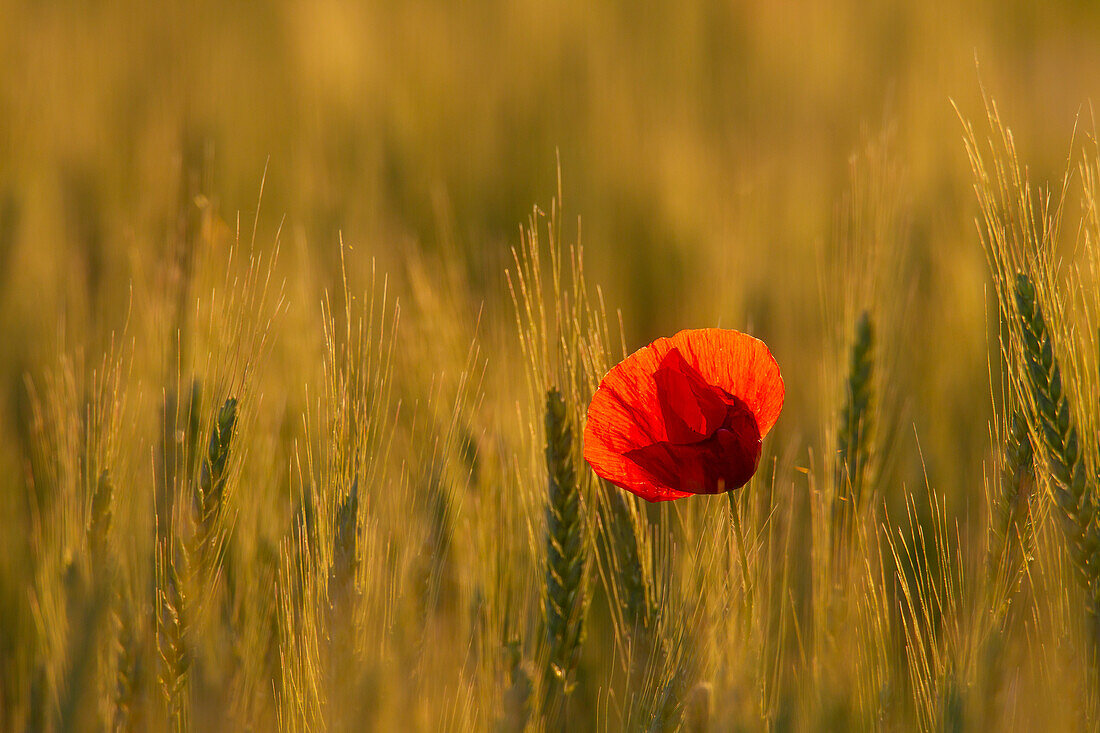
303 307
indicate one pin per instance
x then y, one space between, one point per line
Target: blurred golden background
772 166
705 146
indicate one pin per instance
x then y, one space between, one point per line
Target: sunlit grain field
305 311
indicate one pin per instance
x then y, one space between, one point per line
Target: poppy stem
739 535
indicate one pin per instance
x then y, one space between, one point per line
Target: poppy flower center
712 440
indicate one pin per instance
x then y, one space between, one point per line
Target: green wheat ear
638 612
212 481
1011 510
517 698
565 603
345 556
854 437
213 477
1052 424
99 523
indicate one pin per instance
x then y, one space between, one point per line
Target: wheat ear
565 604
345 555
172 631
99 522
1011 509
1052 425
212 481
854 437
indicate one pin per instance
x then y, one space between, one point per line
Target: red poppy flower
684 415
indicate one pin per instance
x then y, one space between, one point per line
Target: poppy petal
738 363
691 408
684 415
722 462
